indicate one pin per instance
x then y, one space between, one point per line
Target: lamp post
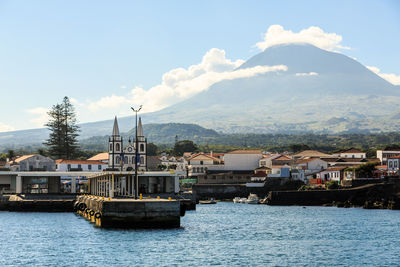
136 153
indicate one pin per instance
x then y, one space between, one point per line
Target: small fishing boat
252 199
236 200
210 201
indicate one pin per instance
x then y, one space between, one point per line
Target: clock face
129 149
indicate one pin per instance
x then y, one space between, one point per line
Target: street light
136 153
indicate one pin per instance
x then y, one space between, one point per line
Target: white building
199 163
242 160
177 163
311 164
65 165
393 164
383 155
332 174
353 153
33 163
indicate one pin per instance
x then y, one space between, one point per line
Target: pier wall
131 213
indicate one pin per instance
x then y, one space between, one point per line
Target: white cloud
276 35
180 84
5 127
390 77
40 116
307 74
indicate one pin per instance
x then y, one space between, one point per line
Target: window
395 164
126 160
117 147
141 160
201 162
69 166
390 164
141 147
79 166
117 159
99 167
111 147
89 167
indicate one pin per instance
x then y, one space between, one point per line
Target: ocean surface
224 234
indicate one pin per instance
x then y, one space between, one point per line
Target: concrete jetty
129 212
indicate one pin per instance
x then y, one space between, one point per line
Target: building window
79 166
395 163
111 148
117 159
99 167
390 164
141 147
69 166
89 167
201 162
141 160
117 147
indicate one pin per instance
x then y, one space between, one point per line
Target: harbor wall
356 196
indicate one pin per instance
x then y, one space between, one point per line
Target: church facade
123 158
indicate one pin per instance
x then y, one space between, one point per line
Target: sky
108 56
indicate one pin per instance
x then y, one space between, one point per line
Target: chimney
211 154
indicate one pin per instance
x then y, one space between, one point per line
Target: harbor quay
112 201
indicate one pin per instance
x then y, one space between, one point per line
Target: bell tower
115 147
142 147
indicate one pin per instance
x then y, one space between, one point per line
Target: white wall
237 162
63 167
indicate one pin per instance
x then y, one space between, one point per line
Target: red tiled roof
100 156
245 151
351 150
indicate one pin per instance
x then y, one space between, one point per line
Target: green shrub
332 185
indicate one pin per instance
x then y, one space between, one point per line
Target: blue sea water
224 234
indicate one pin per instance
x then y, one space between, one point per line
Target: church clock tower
115 147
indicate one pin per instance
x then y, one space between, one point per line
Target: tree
184 146
366 170
62 142
11 154
152 149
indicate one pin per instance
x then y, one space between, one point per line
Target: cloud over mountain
180 84
390 77
277 35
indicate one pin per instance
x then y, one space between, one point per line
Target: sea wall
356 196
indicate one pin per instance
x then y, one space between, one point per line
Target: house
225 177
298 174
266 160
66 165
311 164
383 155
200 163
172 162
310 154
393 165
350 153
34 162
349 162
242 160
332 174
280 171
103 157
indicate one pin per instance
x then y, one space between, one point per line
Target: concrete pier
129 212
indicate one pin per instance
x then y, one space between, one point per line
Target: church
123 158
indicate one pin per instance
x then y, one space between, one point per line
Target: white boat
252 199
236 200
243 200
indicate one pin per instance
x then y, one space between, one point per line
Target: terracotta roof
245 151
381 167
302 161
311 153
24 157
70 161
283 158
204 156
351 150
100 156
395 157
